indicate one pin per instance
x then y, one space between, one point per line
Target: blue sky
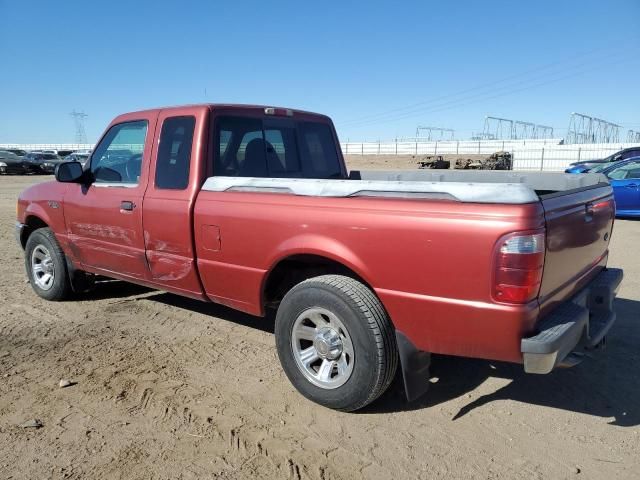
377 68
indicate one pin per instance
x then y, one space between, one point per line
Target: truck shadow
607 385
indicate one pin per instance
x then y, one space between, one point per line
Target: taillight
519 260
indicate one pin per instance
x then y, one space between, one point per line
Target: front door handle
632 185
127 205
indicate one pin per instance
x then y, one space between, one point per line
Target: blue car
580 168
624 177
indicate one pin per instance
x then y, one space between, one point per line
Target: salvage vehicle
252 207
10 162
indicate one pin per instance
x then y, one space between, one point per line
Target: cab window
174 153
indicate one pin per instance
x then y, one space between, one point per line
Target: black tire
60 288
375 353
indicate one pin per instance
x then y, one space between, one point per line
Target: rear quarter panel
430 262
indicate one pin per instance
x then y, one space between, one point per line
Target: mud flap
81 282
415 367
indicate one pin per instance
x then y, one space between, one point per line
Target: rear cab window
274 147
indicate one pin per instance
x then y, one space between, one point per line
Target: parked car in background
32 162
19 152
41 162
50 162
624 177
82 158
624 154
65 153
10 162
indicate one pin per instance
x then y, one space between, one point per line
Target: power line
481 97
563 63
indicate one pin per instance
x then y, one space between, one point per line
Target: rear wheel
46 266
335 342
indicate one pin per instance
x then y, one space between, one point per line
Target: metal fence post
542 160
362 149
378 147
396 146
416 148
579 150
457 147
435 148
478 147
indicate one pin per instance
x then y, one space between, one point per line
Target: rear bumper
580 322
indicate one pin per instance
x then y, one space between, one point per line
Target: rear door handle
632 185
127 205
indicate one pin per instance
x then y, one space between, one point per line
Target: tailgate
579 227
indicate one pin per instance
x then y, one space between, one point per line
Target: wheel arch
294 268
32 222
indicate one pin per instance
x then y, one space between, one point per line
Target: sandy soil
172 388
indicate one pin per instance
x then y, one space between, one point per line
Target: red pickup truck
253 207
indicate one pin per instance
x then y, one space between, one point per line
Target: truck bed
473 187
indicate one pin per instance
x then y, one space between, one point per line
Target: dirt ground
172 388
398 162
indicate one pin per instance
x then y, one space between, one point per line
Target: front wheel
46 265
335 342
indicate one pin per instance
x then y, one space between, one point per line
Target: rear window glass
274 147
174 153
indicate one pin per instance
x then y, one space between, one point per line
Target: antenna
78 118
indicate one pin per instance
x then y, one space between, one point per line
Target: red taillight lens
518 267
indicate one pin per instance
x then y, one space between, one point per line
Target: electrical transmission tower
431 130
496 128
586 129
78 119
524 130
542 131
633 136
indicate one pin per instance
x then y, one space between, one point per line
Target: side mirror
69 172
